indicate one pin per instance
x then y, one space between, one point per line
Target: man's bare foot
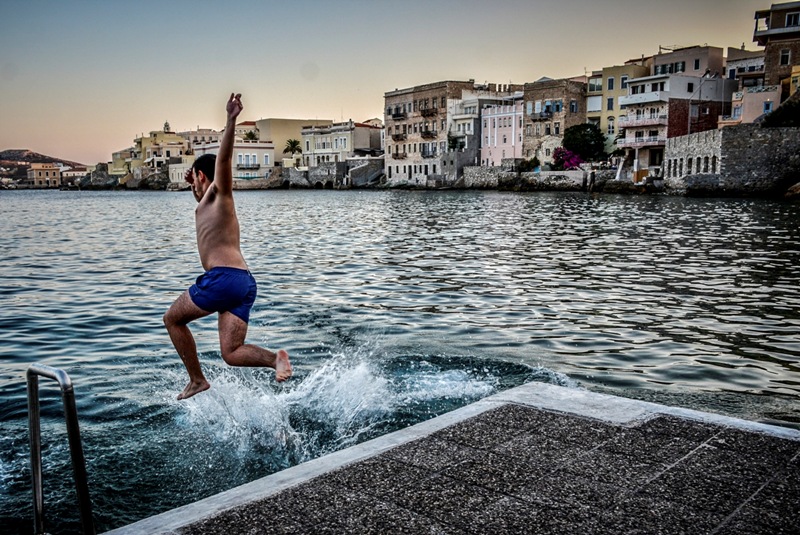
283 368
194 388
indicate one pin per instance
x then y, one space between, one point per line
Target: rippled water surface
395 307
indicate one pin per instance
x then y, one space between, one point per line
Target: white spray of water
335 406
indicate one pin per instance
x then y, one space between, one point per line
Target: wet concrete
535 459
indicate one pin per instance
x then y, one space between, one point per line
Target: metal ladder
75 446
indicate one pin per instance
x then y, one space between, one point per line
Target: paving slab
535 459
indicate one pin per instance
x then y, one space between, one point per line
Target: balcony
246 166
632 121
399 155
428 134
429 112
541 116
429 153
399 115
399 137
641 142
644 98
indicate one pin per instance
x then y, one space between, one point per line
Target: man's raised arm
223 177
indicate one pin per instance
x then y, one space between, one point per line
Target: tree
292 147
251 136
586 140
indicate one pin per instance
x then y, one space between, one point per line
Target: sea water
394 306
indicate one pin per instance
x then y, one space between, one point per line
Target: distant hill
10 157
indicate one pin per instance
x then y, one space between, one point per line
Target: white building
251 159
502 131
339 141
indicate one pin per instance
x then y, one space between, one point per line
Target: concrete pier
535 459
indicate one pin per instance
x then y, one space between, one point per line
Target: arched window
610 129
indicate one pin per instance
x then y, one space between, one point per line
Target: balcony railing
429 153
429 112
639 142
399 155
644 98
627 122
248 166
399 137
399 115
428 134
542 115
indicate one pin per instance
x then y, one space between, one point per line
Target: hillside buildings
434 130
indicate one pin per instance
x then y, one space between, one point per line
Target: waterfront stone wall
503 179
735 160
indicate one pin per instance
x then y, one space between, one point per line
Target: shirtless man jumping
227 287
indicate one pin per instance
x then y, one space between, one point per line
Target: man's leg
176 320
232 332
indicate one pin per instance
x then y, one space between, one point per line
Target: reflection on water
396 307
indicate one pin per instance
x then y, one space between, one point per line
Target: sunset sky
81 79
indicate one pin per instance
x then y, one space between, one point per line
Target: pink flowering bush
564 159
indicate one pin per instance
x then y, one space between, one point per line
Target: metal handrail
75 447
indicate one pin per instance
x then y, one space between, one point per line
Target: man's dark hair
206 163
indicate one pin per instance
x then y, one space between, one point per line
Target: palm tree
292 147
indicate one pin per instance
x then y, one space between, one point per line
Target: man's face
198 184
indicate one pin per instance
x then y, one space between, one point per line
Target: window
610 84
623 82
610 129
793 19
595 84
557 106
768 106
573 106
697 64
785 56
732 74
690 87
557 129
547 129
266 159
610 103
737 112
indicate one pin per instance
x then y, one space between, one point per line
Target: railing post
75 446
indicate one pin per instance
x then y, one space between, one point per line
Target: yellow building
120 162
45 175
605 88
279 131
155 150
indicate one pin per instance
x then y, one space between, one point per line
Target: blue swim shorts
225 289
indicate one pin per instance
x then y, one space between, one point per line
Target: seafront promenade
534 459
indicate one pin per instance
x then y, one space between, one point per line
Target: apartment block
663 106
200 135
156 149
251 159
778 31
433 131
603 92
339 141
501 126
551 106
44 175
